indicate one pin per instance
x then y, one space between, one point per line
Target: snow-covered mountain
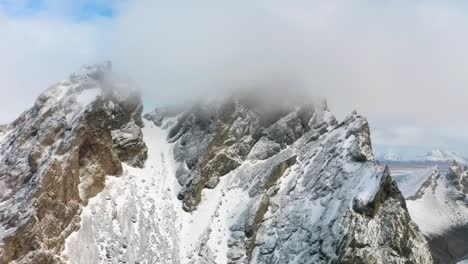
236 182
443 156
440 208
435 156
390 157
410 180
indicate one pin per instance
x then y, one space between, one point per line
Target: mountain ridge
238 182
435 156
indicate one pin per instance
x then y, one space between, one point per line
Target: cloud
399 60
401 63
38 51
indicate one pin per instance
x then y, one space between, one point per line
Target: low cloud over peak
396 62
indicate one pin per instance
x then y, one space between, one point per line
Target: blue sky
25 8
402 64
79 10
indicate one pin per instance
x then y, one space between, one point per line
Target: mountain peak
56 156
445 156
94 71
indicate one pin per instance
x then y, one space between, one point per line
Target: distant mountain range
438 155
435 156
391 156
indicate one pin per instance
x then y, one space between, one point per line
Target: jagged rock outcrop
210 142
55 157
429 184
159 114
440 208
129 145
309 189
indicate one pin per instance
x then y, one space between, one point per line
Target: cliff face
55 157
308 188
440 208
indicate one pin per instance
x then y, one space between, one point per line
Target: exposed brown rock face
56 156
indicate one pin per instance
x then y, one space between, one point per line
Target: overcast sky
403 64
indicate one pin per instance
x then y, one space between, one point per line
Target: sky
402 64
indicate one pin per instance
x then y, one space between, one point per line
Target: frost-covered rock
302 189
212 141
440 209
158 115
129 145
56 156
264 149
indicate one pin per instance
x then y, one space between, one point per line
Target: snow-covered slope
137 217
409 181
440 209
443 156
437 206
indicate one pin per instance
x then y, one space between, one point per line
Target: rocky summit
243 180
56 156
